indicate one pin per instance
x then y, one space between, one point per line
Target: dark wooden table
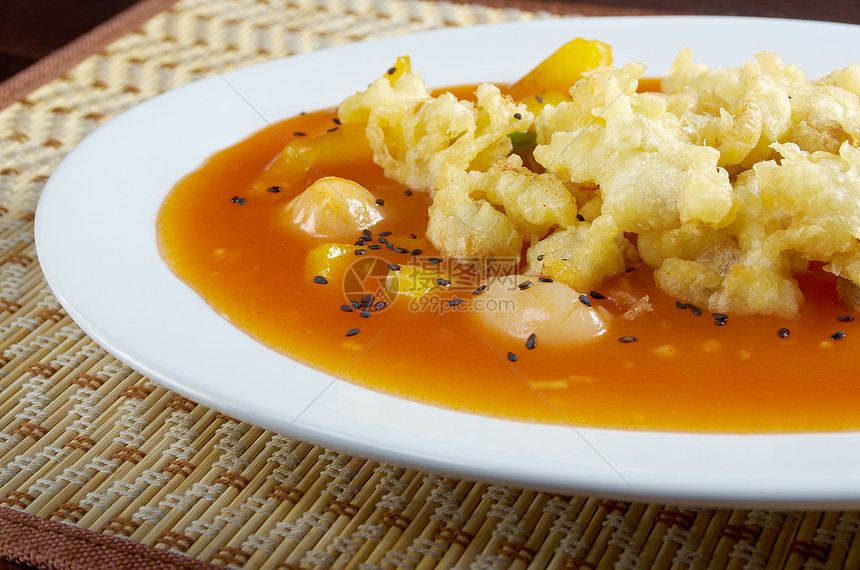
31 29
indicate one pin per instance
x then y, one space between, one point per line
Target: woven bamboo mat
88 442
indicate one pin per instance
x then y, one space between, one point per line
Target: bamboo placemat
91 450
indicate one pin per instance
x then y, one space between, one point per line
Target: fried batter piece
661 166
650 172
732 180
743 111
806 207
582 255
815 197
469 229
476 214
535 203
415 136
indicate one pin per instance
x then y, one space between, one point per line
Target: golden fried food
729 182
469 229
415 136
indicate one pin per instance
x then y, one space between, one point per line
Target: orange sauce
740 377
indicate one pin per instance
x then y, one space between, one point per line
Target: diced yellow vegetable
306 159
563 68
536 102
403 65
413 281
330 260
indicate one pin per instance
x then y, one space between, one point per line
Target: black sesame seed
352 332
380 202
384 234
415 252
394 267
845 318
544 279
242 201
626 339
392 70
360 242
719 322
299 134
364 313
480 289
389 245
539 99
531 342
374 246
333 129
366 301
360 251
838 335
401 250
320 280
346 308
336 121
518 116
585 300
413 236
695 310
234 199
680 305
580 217
367 234
407 192
512 357
274 189
524 285
629 269
380 305
443 282
540 257
382 240
355 305
454 302
434 260
720 316
783 333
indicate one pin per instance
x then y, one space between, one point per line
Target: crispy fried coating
478 214
468 229
651 174
582 255
661 166
731 181
535 203
743 111
815 197
415 136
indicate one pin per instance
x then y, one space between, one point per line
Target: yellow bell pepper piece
535 103
401 66
412 281
563 68
306 159
330 260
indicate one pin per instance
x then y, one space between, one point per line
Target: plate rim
313 428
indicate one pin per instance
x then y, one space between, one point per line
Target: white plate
95 235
